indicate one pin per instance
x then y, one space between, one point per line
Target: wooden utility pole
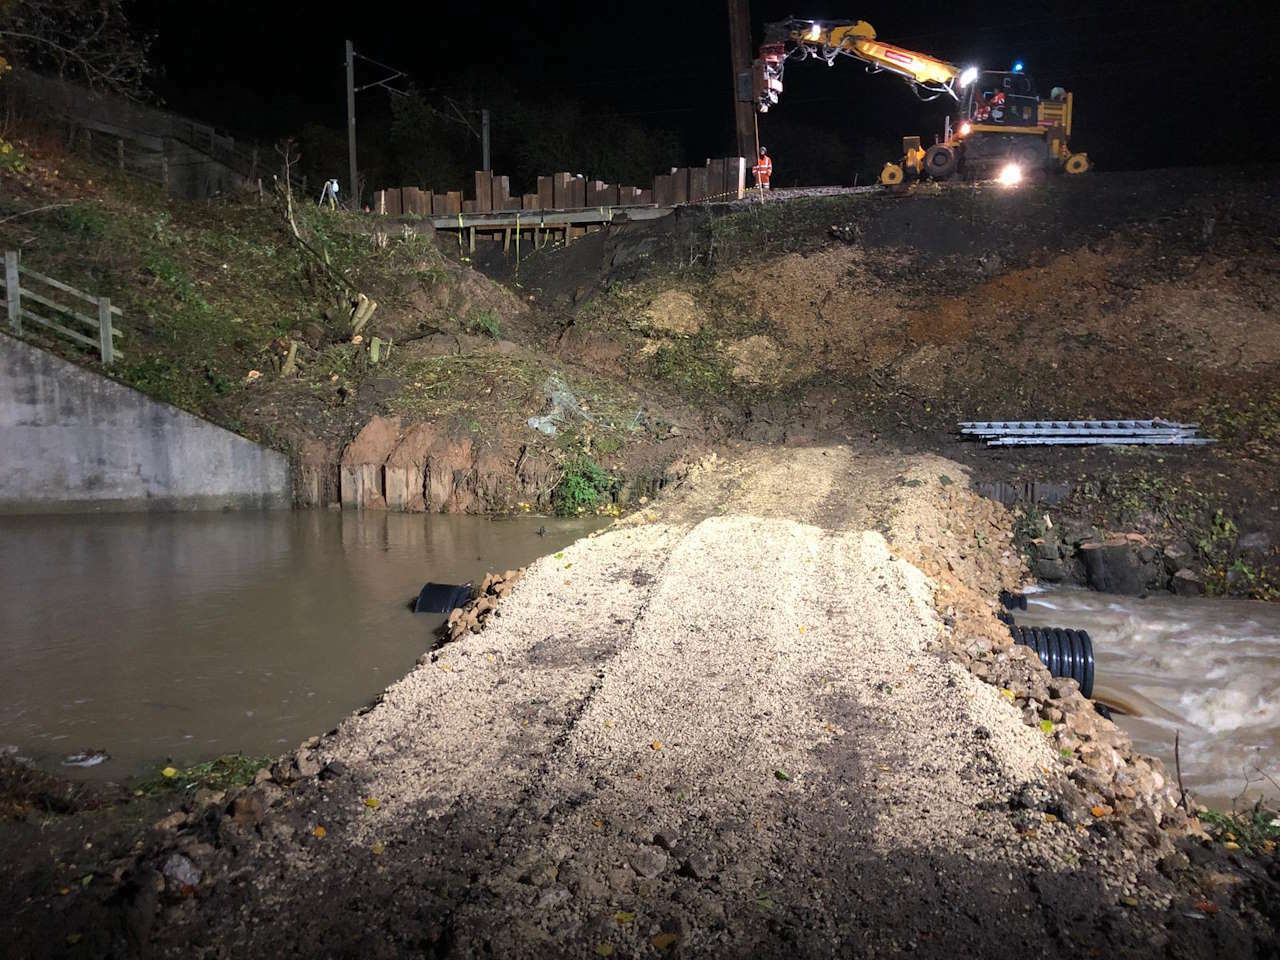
484 138
740 58
353 186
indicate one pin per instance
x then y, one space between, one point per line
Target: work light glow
815 31
966 128
1010 175
968 75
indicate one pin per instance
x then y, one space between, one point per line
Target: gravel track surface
722 728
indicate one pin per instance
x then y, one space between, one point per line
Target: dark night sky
1156 83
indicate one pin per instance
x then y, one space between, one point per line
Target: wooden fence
723 179
102 331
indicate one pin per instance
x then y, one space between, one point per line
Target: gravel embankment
736 725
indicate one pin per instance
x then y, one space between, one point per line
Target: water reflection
188 635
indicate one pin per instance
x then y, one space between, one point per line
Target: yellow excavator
1000 128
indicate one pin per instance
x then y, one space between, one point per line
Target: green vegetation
1170 507
485 322
1256 830
694 365
221 773
585 486
460 385
213 293
11 160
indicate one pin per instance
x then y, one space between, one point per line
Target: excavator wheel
940 161
891 175
1077 163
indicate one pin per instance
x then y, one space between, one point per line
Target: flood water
1209 668
186 636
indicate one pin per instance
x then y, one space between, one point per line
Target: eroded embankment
739 724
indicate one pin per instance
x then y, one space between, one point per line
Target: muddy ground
741 723
894 317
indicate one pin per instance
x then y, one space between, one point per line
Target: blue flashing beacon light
1017 66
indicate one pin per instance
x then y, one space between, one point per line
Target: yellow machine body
1021 127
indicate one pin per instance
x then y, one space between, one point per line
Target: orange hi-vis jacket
763 170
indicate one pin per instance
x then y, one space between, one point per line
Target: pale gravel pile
723 727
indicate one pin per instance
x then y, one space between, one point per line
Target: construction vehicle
1000 127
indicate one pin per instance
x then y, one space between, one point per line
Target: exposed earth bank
745 722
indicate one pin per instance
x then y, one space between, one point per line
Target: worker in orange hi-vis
763 170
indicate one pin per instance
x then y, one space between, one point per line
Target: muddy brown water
1209 668
186 636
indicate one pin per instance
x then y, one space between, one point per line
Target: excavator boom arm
801 39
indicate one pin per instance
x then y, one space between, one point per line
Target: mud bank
749 721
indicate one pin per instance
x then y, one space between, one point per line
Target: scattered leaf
371 802
624 916
782 775
318 833
1046 726
560 555
1231 845
1129 901
86 879
1006 693
63 891
379 848
1098 810
1205 906
802 628
604 950
945 480
665 940
168 773
657 744
598 824
73 939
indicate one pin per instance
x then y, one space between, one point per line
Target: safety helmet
764 150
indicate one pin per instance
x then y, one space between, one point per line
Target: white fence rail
61 318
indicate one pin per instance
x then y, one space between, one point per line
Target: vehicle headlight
1010 175
968 75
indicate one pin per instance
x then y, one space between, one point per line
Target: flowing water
1209 668
185 636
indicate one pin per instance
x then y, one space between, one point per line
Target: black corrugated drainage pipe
441 597
1067 653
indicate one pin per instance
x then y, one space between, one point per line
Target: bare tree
89 41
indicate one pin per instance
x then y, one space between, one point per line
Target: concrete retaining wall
71 439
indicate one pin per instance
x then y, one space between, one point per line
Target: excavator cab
1001 99
1000 121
